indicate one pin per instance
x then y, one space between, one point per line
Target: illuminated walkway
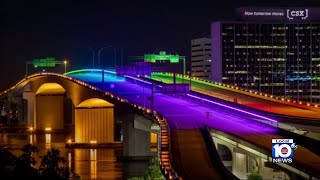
186 115
249 99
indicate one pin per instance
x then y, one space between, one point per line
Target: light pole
208 116
184 65
121 56
92 56
114 51
65 65
189 73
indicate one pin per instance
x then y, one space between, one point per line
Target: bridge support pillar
94 125
49 112
136 136
30 109
136 144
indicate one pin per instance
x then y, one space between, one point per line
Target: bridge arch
50 88
44 91
225 155
94 103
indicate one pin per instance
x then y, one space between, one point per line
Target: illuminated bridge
250 98
186 144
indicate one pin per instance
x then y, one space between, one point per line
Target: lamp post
189 73
114 52
121 56
92 56
184 65
65 65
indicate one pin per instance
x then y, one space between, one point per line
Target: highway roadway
185 115
252 101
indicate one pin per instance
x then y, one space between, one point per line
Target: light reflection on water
88 163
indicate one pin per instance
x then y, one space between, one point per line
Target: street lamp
184 65
92 56
65 65
189 73
114 51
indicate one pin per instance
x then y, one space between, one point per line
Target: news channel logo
283 150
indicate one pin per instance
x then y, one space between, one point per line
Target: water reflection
93 163
88 163
48 141
69 160
32 139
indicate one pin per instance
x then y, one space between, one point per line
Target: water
88 163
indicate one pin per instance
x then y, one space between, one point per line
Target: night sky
65 29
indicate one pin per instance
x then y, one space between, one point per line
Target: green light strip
186 80
86 70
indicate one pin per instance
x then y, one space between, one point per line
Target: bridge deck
247 99
186 116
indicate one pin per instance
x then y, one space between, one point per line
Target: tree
27 154
26 160
50 166
153 170
254 176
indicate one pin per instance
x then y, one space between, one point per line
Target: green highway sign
46 62
162 56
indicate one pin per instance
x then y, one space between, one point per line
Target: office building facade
279 54
201 58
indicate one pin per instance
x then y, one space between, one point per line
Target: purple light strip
246 112
138 79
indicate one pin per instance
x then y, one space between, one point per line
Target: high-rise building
201 58
276 51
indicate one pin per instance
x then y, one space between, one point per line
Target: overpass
249 98
183 115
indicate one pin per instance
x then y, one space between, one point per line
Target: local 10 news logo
282 150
